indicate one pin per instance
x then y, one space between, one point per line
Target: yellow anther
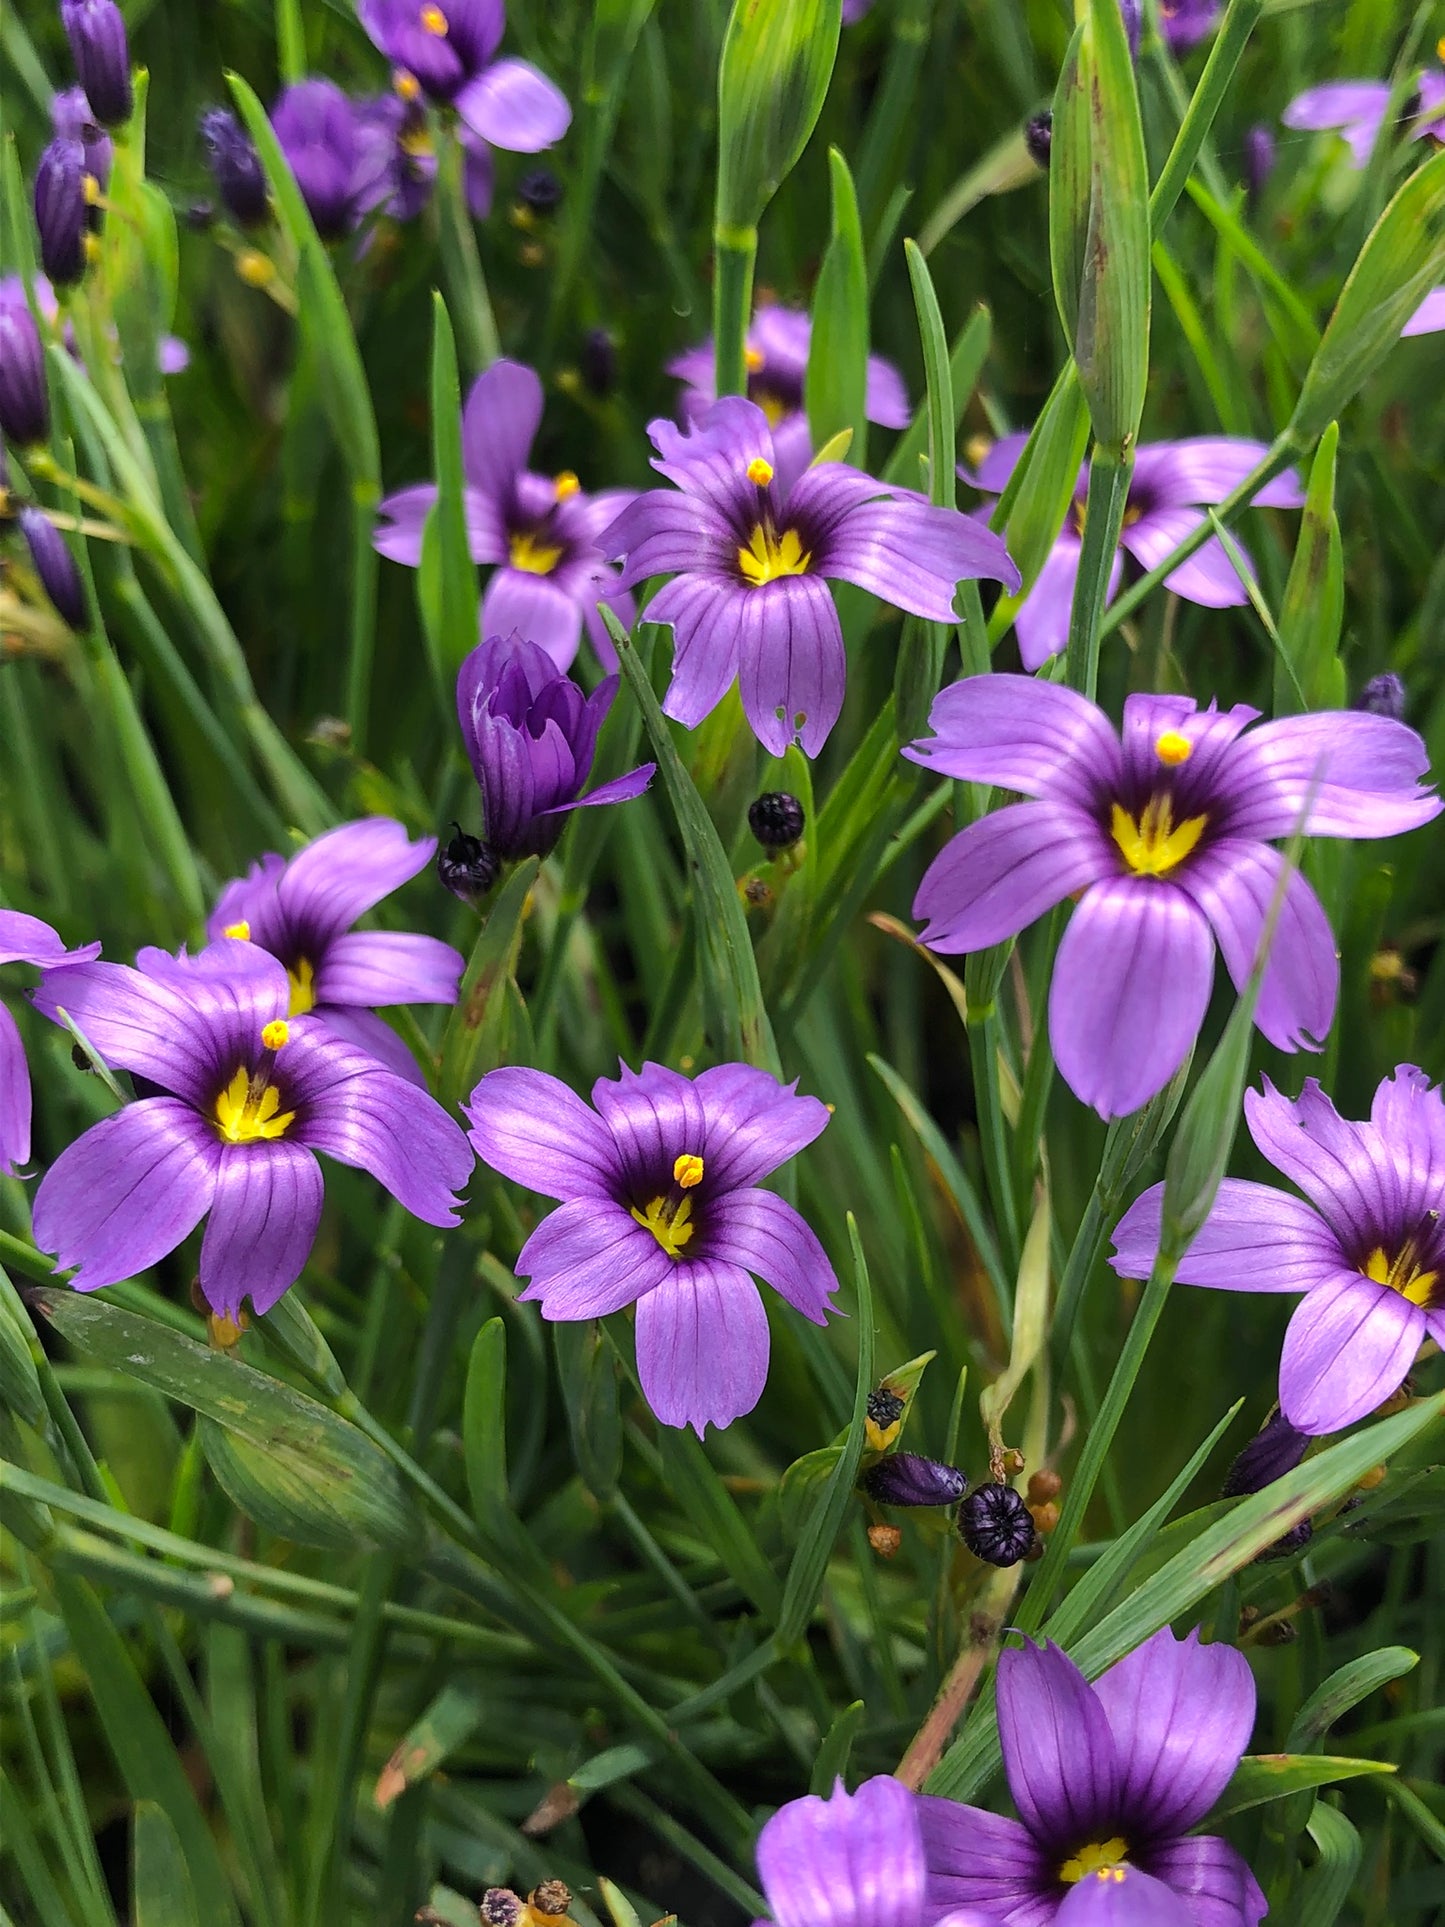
760 472
1099 1857
241 930
532 556
302 979
566 484
250 1108
255 269
1156 844
687 1170
1440 48
90 248
433 20
753 359
276 1034
1173 747
769 555
976 448
1402 1273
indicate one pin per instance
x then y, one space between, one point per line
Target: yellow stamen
241 930
417 145
687 1170
277 1034
405 85
671 1224
250 1108
769 555
760 473
302 978
1440 48
1098 1856
753 359
433 20
566 484
1402 1273
535 557
90 248
1154 845
1173 747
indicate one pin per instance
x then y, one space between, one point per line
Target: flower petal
25 939
1342 1167
127 1191
1058 1749
1360 775
710 461
499 425
702 1345
1408 1112
655 1115
533 606
1130 989
1204 469
262 1226
1347 1349
1122 1897
1337 103
348 871
706 613
510 104
1207 577
14 1097
1211 1877
754 1123
983 1859
1041 621
1254 1239
1036 738
910 553
999 874
378 967
848 1861
664 532
529 1126
766 1236
589 1257
365 1030
791 665
1429 317
1181 1714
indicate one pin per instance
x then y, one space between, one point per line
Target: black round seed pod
885 1408
776 819
539 191
1039 138
996 1525
467 866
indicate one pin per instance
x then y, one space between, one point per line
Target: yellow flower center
1402 1273
1173 748
241 930
1155 844
769 555
536 557
416 145
302 979
753 359
250 1106
433 20
773 406
1098 1856
760 473
669 1216
566 484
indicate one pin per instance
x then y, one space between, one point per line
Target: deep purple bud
24 414
1383 696
467 867
996 1525
1258 158
54 564
776 819
71 118
1132 18
61 210
597 360
905 1478
316 126
1275 1449
1039 138
539 190
1289 1543
235 166
96 32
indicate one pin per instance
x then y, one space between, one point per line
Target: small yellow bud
753 359
405 86
433 20
567 484
255 269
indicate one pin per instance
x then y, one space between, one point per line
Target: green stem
1109 473
984 1046
364 563
468 302
735 253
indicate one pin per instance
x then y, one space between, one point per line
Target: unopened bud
54 564
905 1478
1275 1449
1039 138
539 191
1383 695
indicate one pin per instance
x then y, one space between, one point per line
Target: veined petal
264 1214
1042 620
1207 577
1254 1239
913 554
379 967
702 1345
1347 1349
1341 1166
14 1098
981 1859
655 1115
754 1123
1058 1750
25 939
589 1257
127 1191
510 104
1037 738
848 1861
1211 1878
791 665
664 532
711 461
1408 1113
367 1031
499 425
999 874
1204 469
1360 774
1130 989
533 606
348 871
1122 1896
529 1126
706 614
766 1236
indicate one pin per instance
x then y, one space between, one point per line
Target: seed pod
996 1525
467 866
776 819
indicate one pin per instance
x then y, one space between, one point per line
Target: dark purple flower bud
61 210
235 166
71 118
24 413
904 1478
1275 1449
1130 11
1258 158
467 867
316 126
597 360
54 564
776 819
539 191
96 32
500 1907
1383 696
1290 1543
996 1525
1039 138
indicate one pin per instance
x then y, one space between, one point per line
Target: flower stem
1109 473
735 254
468 302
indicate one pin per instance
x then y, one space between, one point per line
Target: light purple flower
71 118
251 1097
1368 1249
1108 1780
450 50
1184 23
1171 481
777 357
317 127
1165 838
852 1860
750 561
1429 317
1356 108
302 911
24 940
661 1209
541 531
530 736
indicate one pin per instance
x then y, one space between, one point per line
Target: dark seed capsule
235 165
884 1407
776 819
906 1478
1383 696
551 1899
539 190
1039 138
996 1525
1290 1543
467 866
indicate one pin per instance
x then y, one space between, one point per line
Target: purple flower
1259 158
1108 1780
749 559
777 358
397 163
1170 482
54 564
302 912
1184 23
1429 317
24 940
1357 109
317 127
62 210
450 52
852 1860
235 166
1368 1249
71 118
530 736
96 32
251 1096
1164 836
660 1208
542 531
24 406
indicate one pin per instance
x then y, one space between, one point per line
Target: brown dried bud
551 1900
1043 1486
885 1540
1045 1517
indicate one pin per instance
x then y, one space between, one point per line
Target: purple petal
399 538
340 876
478 174
1206 468
1337 103
702 1345
1254 1239
621 789
1130 989
1212 1878
499 425
1429 317
1122 1897
848 1861
533 1129
711 460
589 1257
655 1115
1042 619
791 665
664 532
14 1098
998 874
262 1226
1348 1348
991 477
1409 1114
127 1192
1211 732
1363 773
753 1123
908 552
1037 738
1207 577
985 1860
1181 1714
1233 883
885 400
1058 1750
1342 1167
764 1234
706 613
378 967
535 607
25 939
511 105
367 1031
